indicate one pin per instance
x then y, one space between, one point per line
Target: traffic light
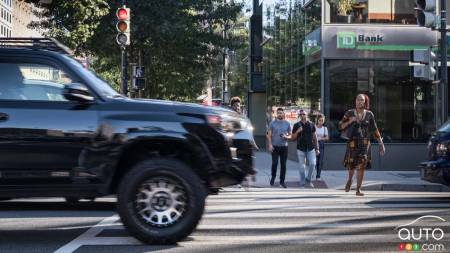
138 74
123 26
424 64
426 13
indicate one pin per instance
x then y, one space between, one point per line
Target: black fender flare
192 142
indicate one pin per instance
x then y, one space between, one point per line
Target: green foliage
344 7
178 40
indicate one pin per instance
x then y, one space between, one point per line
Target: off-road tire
135 183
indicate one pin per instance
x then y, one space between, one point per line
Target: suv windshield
445 128
100 85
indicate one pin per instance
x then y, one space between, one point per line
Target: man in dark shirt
304 132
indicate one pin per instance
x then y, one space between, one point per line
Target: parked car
437 168
64 132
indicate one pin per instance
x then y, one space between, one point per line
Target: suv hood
170 106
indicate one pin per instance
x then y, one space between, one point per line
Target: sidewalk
335 179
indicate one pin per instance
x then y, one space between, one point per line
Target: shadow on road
56 206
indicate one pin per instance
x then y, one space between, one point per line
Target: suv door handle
4 116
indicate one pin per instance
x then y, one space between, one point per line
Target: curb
407 187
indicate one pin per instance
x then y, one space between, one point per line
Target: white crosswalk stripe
268 216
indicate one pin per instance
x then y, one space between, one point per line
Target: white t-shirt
321 132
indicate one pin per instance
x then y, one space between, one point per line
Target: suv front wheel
161 201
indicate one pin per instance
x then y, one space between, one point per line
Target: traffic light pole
224 62
123 77
444 81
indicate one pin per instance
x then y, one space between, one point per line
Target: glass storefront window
403 107
313 16
370 11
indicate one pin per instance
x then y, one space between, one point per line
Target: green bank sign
352 40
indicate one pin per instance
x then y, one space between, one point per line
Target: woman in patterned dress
362 125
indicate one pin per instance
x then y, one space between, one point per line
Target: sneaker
310 185
283 185
318 179
272 181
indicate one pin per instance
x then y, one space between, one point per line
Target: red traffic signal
123 13
123 26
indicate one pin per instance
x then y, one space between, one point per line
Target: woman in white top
322 136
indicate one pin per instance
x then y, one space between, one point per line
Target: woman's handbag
346 133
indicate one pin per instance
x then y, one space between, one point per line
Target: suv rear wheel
161 201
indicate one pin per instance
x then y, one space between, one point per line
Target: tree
176 39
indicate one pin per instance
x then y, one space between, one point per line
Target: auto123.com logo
423 234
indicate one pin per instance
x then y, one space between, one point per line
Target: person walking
322 137
359 124
304 132
277 134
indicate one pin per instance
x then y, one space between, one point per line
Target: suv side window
30 81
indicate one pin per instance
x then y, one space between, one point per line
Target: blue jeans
319 162
302 157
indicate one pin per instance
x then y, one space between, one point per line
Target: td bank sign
351 40
373 42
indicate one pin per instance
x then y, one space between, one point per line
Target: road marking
308 207
88 237
280 214
270 204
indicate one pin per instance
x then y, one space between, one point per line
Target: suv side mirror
77 92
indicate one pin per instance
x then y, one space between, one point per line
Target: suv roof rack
35 43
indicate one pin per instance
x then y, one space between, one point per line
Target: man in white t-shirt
322 137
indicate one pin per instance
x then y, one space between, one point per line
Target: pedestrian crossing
298 217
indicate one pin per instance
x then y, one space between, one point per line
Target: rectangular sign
360 41
312 43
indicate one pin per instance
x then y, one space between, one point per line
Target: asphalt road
240 220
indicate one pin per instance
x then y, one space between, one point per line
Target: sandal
358 193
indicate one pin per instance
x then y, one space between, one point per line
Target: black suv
437 168
66 133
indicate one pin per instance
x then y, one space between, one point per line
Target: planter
347 19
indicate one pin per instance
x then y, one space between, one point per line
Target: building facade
6 18
23 15
15 16
322 53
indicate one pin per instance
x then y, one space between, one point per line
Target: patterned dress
357 155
